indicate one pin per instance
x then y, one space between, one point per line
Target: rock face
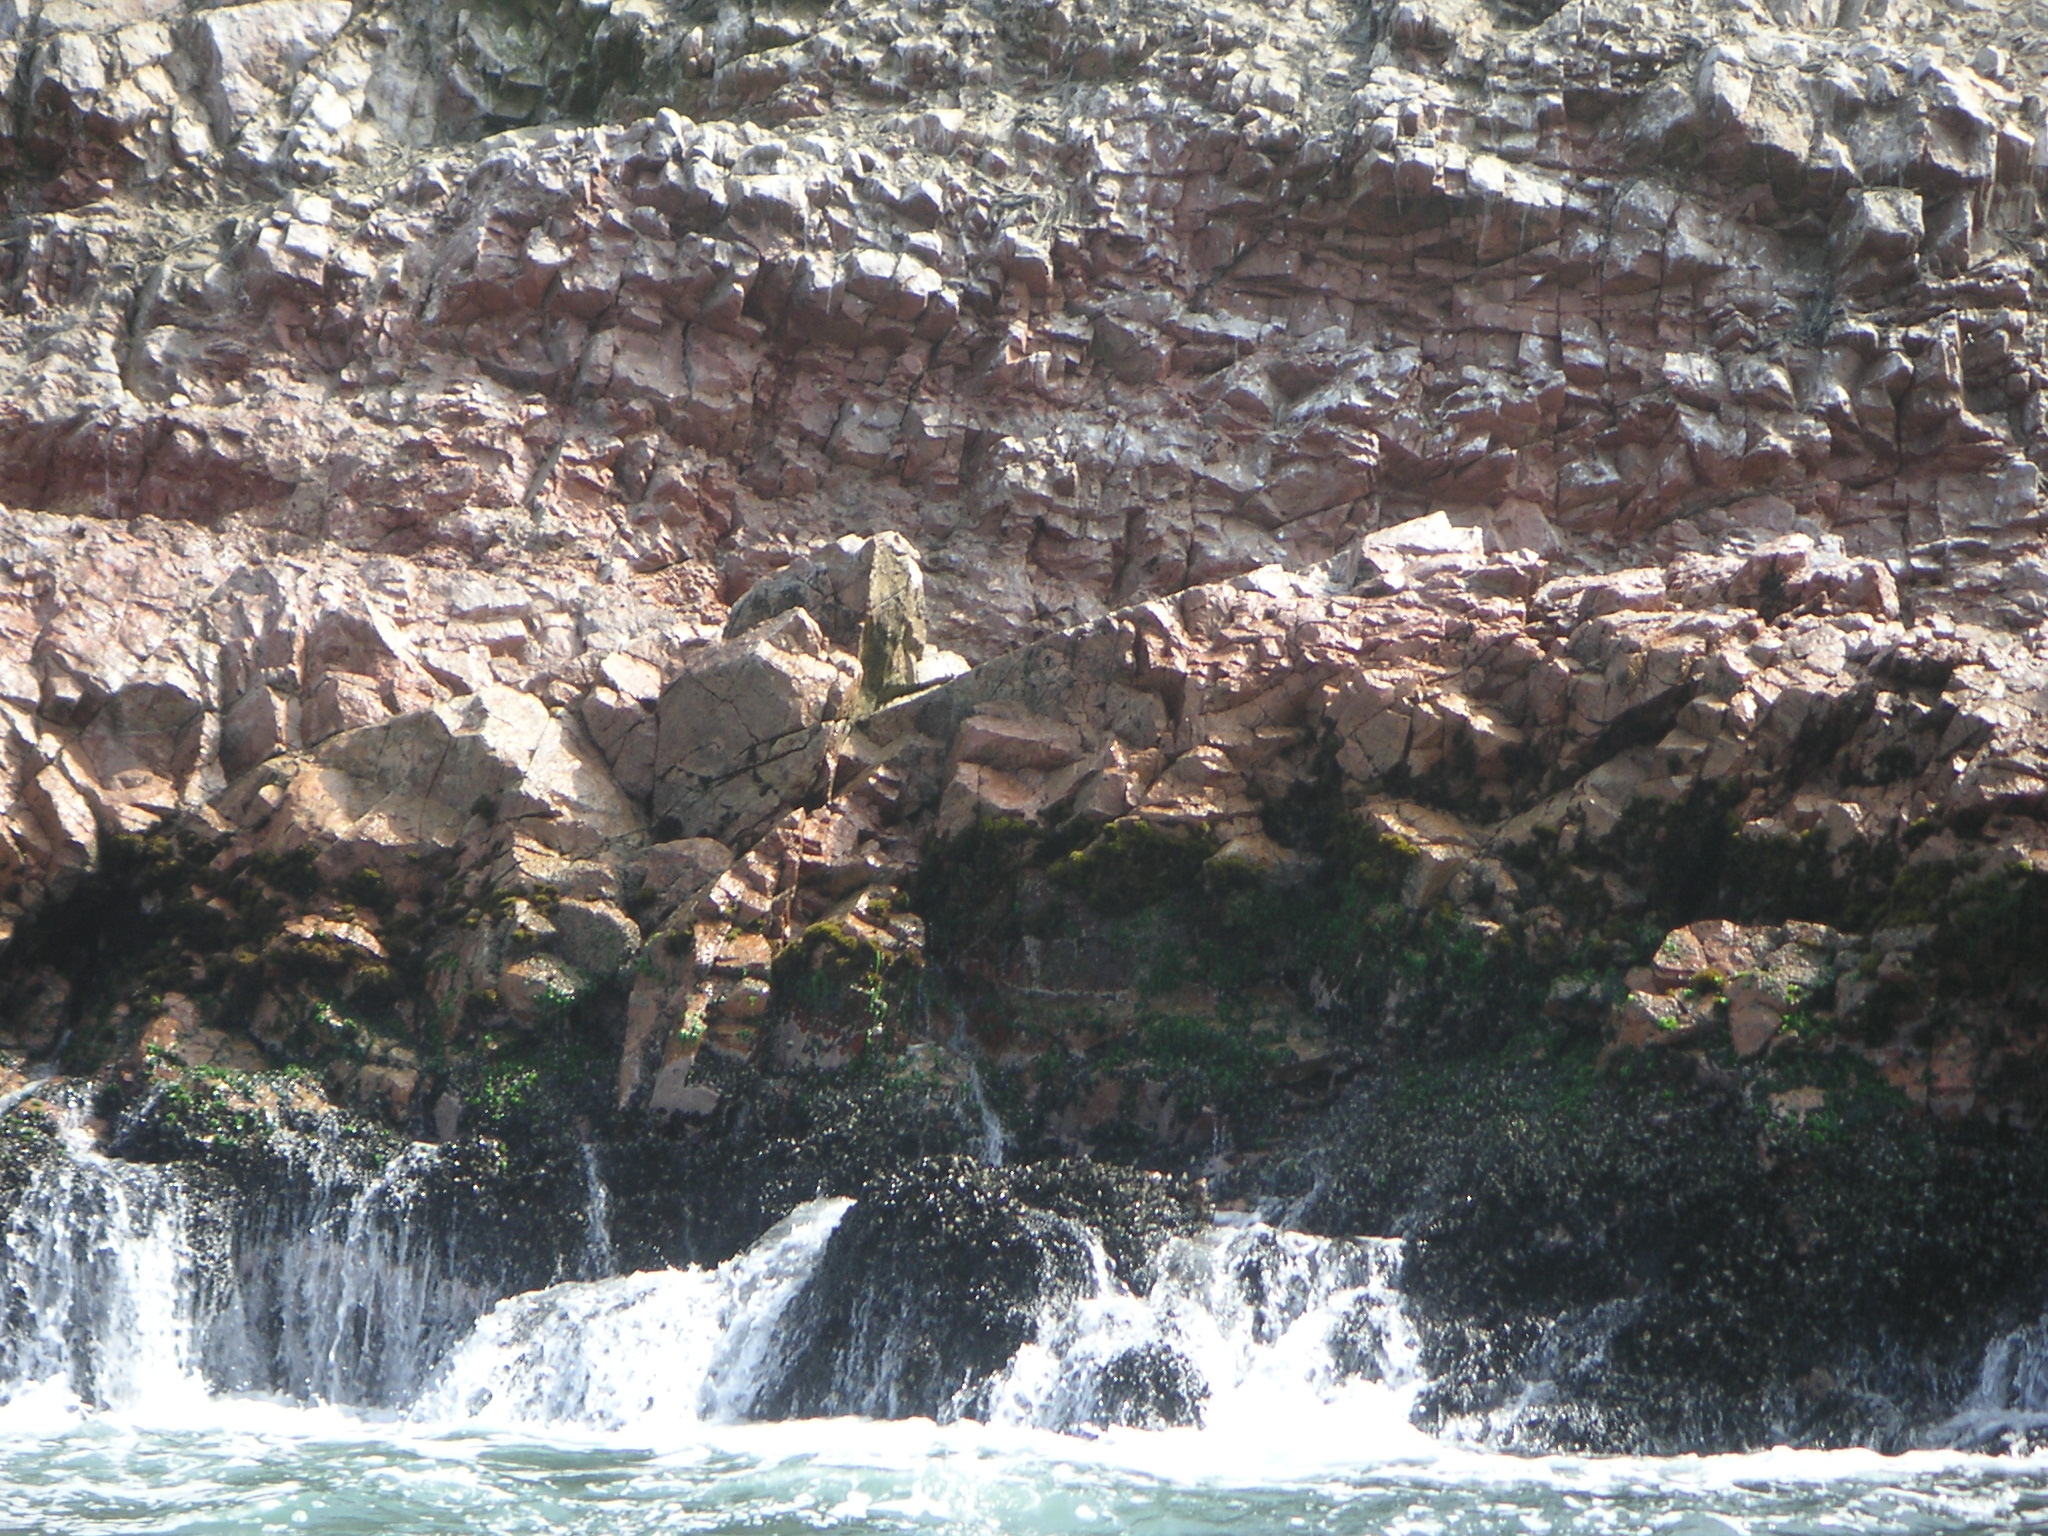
879 1339
868 596
747 730
1218 558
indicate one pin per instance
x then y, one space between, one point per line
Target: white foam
1309 1363
100 1269
667 1347
338 1293
1288 1334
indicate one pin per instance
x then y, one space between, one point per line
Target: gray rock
867 596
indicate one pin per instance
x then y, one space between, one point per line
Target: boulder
748 729
177 1035
867 596
539 990
413 782
870 1334
1760 977
1440 844
251 53
596 937
1011 739
1877 236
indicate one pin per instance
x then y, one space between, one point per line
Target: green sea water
253 1466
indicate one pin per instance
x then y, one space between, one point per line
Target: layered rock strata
622 559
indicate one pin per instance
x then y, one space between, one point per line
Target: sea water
621 1404
249 1466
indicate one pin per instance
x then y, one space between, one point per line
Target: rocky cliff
1428 610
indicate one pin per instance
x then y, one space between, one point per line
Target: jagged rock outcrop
1580 296
868 596
1772 294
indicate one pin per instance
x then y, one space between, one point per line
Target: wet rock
273 1184
870 1333
1554 1317
1150 1387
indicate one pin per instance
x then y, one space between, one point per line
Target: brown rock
1013 742
746 730
1756 1010
450 508
177 1035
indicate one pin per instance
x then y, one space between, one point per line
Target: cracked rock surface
725 540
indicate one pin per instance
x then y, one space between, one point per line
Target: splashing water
671 1346
1241 1323
993 1137
345 1293
1285 1359
137 1283
598 1258
103 1278
2011 1394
